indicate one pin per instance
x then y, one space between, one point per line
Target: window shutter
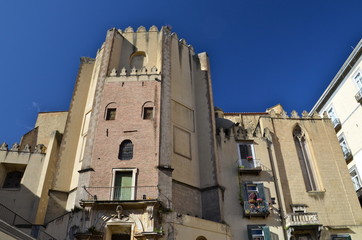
266 232
243 194
250 236
260 187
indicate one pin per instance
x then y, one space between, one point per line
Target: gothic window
305 159
125 150
13 179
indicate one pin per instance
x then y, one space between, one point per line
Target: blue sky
261 52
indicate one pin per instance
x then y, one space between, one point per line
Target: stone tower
142 116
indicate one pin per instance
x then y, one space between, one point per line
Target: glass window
358 79
305 159
111 114
258 232
355 178
148 113
344 146
246 151
125 150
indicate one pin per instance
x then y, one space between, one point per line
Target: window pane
111 114
148 113
125 150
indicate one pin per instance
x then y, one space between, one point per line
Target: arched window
147 110
305 159
138 59
125 150
110 113
201 238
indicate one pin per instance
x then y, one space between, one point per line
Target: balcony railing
13 219
257 209
336 123
249 166
347 153
119 193
302 219
358 96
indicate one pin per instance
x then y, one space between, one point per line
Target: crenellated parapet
40 148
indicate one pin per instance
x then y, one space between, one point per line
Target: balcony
249 166
358 96
117 194
347 153
256 209
336 123
301 219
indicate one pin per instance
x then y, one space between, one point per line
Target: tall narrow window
345 149
355 178
305 160
125 150
247 155
358 80
123 187
333 116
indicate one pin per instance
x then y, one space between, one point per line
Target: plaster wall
335 186
47 122
232 180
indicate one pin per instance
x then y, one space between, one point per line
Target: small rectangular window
148 113
111 114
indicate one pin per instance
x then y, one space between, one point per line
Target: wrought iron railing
298 219
256 208
13 219
119 193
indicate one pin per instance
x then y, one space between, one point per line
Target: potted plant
249 158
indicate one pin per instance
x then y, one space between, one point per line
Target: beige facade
286 176
341 101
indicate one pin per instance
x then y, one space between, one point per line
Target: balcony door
247 155
123 184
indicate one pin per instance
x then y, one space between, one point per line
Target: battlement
40 148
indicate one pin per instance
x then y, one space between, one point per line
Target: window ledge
316 192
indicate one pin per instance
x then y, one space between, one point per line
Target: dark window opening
111 114
125 150
13 179
148 113
121 236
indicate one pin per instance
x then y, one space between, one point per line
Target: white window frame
354 168
342 138
252 149
333 115
358 83
134 172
